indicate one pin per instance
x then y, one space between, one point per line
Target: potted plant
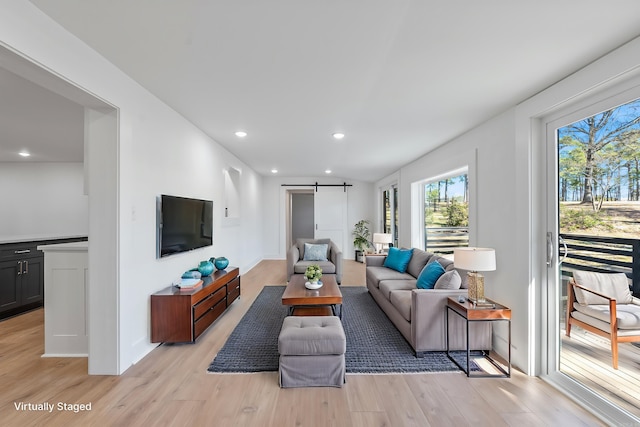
361 236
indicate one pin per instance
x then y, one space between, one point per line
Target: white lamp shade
474 259
382 238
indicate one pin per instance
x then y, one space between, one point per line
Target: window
446 212
390 213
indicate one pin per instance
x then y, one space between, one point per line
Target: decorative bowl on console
205 268
221 263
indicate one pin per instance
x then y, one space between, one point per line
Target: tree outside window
446 213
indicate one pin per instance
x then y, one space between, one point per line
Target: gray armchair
331 263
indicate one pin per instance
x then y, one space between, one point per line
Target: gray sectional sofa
419 314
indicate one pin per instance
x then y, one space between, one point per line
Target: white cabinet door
330 212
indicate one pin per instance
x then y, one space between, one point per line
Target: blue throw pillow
315 252
430 275
398 259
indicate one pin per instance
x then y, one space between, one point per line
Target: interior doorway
317 213
101 160
302 220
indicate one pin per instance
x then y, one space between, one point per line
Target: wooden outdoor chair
602 304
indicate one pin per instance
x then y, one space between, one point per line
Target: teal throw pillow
429 275
398 259
315 252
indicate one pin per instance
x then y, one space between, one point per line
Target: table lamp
475 260
381 239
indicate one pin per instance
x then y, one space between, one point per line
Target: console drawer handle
22 251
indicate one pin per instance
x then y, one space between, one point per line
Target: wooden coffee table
305 302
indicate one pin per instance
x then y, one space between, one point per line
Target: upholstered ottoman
312 352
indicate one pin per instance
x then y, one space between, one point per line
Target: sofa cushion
449 280
327 266
388 286
401 300
429 275
614 285
398 259
419 259
377 274
628 315
311 335
315 252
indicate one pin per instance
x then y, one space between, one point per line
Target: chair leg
569 307
614 353
613 321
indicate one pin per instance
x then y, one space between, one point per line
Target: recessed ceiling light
241 134
274 170
338 135
327 171
24 153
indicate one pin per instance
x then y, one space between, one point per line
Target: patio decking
586 358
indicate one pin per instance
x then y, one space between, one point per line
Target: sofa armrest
293 256
374 260
428 326
591 291
334 253
335 256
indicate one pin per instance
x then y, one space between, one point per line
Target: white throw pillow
449 280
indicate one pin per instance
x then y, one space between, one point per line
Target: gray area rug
374 345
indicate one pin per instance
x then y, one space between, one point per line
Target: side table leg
446 326
468 351
509 352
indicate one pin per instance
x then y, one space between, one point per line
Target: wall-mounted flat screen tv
184 224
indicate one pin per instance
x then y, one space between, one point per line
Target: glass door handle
549 248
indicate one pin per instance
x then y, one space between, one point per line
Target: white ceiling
398 78
39 121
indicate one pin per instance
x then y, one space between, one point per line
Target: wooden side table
472 313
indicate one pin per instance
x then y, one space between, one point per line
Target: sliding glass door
592 203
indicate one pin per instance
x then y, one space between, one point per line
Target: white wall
274 219
157 151
487 151
42 201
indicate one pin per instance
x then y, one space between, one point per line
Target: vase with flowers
313 273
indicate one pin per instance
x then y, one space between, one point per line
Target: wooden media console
182 316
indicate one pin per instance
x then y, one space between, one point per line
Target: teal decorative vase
221 263
205 268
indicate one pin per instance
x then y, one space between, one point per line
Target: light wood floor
171 386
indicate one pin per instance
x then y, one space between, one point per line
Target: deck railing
602 254
444 239
590 253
